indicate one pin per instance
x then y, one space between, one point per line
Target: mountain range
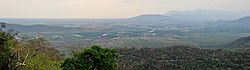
202 15
59 24
171 17
194 16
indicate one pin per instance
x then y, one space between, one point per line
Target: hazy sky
109 8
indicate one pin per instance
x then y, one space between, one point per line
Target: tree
19 54
94 58
7 42
41 56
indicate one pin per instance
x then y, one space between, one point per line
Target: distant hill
57 21
240 43
194 16
202 15
36 28
244 20
243 23
44 28
152 18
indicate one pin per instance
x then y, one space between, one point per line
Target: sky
109 8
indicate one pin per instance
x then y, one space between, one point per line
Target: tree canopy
93 58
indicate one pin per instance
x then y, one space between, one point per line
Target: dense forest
183 58
37 53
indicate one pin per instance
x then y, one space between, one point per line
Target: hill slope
240 43
244 20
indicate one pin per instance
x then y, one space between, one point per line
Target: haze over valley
202 28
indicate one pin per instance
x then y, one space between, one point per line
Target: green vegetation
43 56
26 53
7 42
94 58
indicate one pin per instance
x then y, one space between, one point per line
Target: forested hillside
240 43
183 58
